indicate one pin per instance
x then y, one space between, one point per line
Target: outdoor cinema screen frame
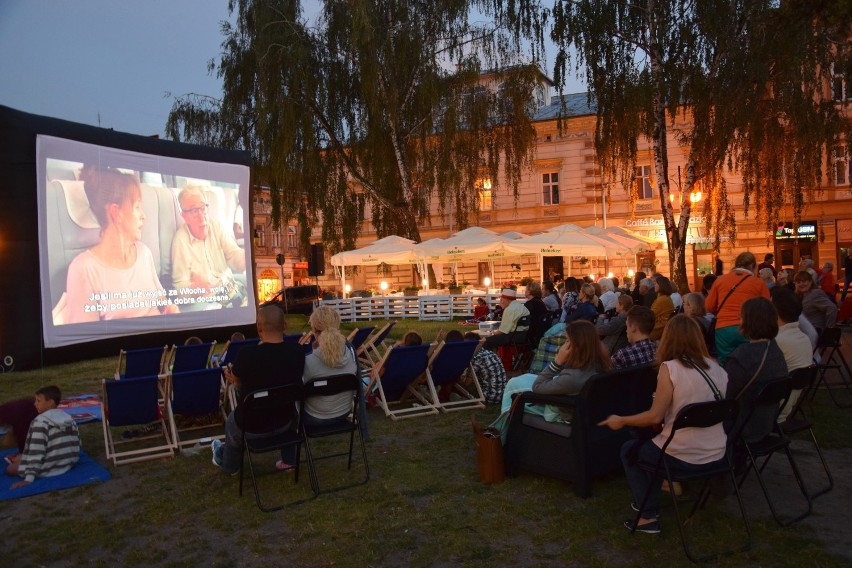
117 303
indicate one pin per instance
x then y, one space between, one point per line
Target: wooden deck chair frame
176 363
206 386
127 356
444 373
358 338
371 354
234 347
378 375
145 391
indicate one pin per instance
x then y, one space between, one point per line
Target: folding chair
370 354
397 374
190 357
522 349
269 422
763 439
141 362
358 338
448 363
348 385
697 415
134 402
828 346
797 420
193 394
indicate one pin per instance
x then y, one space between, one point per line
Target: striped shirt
52 448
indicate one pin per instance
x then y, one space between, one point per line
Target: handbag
489 453
710 333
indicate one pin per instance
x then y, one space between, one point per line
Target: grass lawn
423 506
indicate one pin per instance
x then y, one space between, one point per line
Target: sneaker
216 448
280 465
648 528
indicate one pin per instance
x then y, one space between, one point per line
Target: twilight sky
110 62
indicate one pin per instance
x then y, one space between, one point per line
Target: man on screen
204 257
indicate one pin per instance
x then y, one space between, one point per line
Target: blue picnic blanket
86 471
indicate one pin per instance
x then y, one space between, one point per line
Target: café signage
807 230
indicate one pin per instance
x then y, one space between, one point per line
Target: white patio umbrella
390 250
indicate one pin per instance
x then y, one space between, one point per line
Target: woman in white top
678 383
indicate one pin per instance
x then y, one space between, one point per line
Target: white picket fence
440 307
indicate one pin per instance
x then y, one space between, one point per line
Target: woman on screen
117 277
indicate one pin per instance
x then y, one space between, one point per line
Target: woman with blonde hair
586 307
687 375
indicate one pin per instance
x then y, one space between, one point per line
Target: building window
839 85
644 190
260 235
276 239
842 166
550 188
292 242
484 187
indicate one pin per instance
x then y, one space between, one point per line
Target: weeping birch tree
381 104
740 85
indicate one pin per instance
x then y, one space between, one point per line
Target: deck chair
141 362
358 338
697 415
134 402
192 357
370 349
229 355
797 420
448 363
269 422
832 359
293 337
397 374
330 386
193 394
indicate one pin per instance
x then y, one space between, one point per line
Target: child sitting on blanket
53 443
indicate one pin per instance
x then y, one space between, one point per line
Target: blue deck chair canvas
192 394
140 362
369 353
447 364
134 402
229 355
358 338
396 375
190 357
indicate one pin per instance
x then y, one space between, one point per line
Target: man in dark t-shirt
268 364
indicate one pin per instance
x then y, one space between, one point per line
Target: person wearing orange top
745 285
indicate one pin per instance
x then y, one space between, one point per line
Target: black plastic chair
520 342
270 422
331 386
765 438
832 359
797 420
698 415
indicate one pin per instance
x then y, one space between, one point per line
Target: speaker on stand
316 261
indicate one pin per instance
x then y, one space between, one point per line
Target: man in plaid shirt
642 349
490 372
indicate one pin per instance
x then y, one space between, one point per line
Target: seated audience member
18 414
586 307
490 372
571 297
641 349
679 383
580 357
677 299
330 356
827 281
636 291
410 338
693 306
782 279
205 257
510 331
756 363
551 298
794 344
767 276
663 307
547 349
707 283
613 331
480 310
816 306
53 443
768 259
647 291
270 363
538 313
608 295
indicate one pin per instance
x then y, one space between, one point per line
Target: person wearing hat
509 330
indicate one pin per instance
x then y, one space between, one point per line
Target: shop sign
300 265
658 221
844 230
807 230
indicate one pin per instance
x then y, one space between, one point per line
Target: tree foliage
741 84
379 105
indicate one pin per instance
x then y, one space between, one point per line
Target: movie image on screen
132 243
